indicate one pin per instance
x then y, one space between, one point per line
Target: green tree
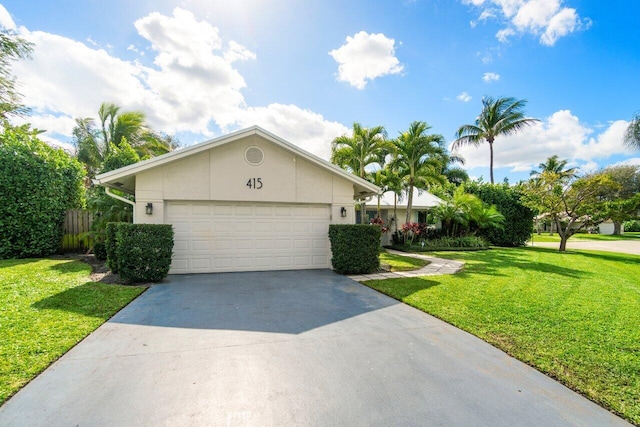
624 204
93 144
419 159
106 208
38 184
516 229
502 116
573 205
360 150
555 165
632 134
12 48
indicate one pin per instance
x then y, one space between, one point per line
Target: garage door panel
217 237
201 227
201 210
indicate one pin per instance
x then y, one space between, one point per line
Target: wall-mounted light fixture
343 212
149 208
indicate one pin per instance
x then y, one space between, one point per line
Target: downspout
107 190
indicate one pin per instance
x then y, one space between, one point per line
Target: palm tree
632 134
419 159
503 116
354 153
557 166
93 144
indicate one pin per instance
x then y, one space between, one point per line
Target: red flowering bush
379 222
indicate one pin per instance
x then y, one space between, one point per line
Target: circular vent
254 156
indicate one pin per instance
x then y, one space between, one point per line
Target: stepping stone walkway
436 266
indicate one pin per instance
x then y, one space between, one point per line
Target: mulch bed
99 270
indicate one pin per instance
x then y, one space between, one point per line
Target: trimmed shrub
100 251
355 248
144 251
38 184
518 218
111 230
632 226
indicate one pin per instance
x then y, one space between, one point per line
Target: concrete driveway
288 348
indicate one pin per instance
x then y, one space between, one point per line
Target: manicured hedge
100 251
355 248
518 218
110 245
38 184
143 251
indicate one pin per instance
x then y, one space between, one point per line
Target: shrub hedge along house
247 201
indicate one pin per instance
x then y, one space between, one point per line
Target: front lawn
401 263
573 316
46 307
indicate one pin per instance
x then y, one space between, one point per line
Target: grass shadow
401 288
492 262
90 299
7 263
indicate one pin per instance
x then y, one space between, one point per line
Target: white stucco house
423 202
247 201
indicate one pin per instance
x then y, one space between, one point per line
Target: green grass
402 263
46 307
545 237
574 316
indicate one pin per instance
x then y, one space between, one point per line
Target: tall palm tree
502 116
93 143
555 165
419 159
632 134
354 153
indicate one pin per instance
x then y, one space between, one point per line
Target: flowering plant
379 222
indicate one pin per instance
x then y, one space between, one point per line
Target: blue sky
306 70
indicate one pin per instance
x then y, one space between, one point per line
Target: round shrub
144 251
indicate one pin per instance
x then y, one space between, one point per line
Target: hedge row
139 252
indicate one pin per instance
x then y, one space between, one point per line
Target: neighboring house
543 225
607 227
423 202
247 201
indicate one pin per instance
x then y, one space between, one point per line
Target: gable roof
124 178
421 199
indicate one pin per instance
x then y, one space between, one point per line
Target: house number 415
255 183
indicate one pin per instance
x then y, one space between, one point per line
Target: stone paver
435 267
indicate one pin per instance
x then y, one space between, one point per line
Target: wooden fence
76 222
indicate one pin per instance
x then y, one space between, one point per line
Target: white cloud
547 19
464 97
561 134
6 20
490 77
634 161
309 130
192 86
365 57
504 34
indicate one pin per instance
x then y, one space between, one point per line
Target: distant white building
423 202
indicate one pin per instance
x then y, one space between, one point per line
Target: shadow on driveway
288 302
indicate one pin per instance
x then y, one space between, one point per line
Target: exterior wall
222 173
607 228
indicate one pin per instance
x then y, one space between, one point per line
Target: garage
247 201
223 236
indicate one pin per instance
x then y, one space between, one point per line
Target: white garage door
227 236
